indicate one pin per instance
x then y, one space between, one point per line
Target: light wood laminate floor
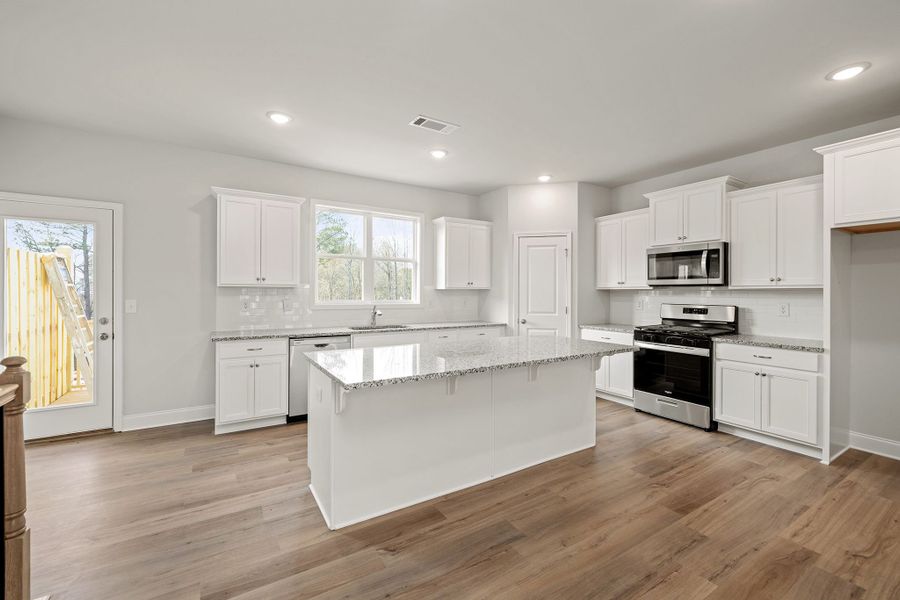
657 510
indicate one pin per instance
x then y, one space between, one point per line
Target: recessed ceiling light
279 117
439 154
544 178
848 72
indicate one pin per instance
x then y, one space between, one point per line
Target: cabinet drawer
609 337
248 348
443 335
775 357
480 333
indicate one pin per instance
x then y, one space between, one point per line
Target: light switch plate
130 306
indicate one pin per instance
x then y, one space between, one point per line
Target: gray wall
772 165
170 239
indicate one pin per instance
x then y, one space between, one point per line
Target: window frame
368 259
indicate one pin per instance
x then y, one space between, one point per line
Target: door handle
104 336
522 321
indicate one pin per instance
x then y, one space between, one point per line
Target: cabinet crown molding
726 180
860 141
622 215
811 180
220 191
461 220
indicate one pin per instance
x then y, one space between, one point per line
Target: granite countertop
609 327
768 341
251 333
373 367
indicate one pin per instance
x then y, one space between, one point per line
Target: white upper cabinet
621 247
862 180
776 235
462 254
258 239
691 213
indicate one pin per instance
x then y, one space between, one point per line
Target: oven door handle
673 348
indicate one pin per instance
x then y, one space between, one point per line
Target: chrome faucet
375 314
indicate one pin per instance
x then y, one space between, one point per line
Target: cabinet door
480 256
621 374
271 386
790 404
234 392
609 253
800 249
666 219
703 213
866 185
634 250
753 247
457 255
239 241
737 398
602 377
280 244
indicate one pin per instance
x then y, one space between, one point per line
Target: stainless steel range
673 363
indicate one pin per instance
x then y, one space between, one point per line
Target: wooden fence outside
35 328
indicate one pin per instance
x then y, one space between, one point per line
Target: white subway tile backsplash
759 310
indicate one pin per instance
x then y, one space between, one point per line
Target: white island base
375 450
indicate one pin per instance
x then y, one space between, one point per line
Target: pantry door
542 298
57 277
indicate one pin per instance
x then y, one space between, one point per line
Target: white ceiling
604 91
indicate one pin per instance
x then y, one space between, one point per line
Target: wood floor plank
657 510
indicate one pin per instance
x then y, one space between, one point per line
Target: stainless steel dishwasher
298 402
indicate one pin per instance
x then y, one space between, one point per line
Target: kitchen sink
367 327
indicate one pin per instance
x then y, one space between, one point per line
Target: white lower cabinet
396 338
616 373
769 398
251 384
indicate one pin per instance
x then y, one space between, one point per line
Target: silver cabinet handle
522 321
778 279
757 373
761 356
771 279
763 374
253 349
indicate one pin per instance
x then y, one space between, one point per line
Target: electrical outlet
245 305
784 310
639 304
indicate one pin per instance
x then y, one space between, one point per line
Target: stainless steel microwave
688 264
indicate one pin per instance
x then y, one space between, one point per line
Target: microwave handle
704 265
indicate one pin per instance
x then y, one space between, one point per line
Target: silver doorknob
522 321
104 336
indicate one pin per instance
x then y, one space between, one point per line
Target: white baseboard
874 444
613 398
161 418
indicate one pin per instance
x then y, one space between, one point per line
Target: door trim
515 274
118 308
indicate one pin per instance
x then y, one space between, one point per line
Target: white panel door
457 255
800 246
280 250
790 404
239 241
752 251
480 256
270 387
609 254
737 398
635 231
666 219
543 284
703 214
236 389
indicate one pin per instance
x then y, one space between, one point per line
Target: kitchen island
397 425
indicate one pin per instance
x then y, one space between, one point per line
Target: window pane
393 280
338 279
393 238
339 232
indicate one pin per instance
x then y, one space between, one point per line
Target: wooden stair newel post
17 536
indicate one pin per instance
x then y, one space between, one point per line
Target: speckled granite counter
766 341
609 327
308 332
373 367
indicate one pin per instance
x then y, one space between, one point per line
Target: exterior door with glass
57 274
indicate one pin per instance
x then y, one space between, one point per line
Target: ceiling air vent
430 124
